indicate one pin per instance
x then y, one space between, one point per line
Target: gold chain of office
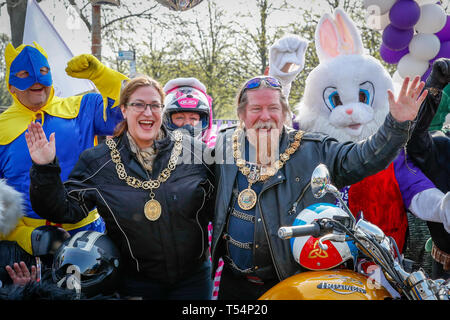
152 208
247 197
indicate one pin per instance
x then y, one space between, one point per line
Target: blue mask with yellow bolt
31 60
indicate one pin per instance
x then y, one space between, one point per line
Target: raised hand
440 74
84 66
41 150
20 275
407 105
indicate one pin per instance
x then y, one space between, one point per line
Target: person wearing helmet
188 106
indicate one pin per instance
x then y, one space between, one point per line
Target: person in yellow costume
77 120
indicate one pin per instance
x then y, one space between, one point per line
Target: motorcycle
332 235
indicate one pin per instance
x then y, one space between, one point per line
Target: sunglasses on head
256 83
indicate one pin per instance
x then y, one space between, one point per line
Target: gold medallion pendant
247 199
152 210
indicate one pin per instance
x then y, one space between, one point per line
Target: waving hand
409 100
41 150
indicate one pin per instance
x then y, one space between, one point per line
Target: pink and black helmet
186 95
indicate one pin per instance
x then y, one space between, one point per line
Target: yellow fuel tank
327 285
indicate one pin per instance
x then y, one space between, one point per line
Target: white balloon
397 81
378 7
432 19
422 2
424 46
408 66
377 22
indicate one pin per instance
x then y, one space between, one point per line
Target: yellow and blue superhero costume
76 121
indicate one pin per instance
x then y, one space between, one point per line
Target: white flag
38 28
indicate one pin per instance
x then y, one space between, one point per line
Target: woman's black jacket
164 250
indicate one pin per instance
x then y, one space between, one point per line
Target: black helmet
87 262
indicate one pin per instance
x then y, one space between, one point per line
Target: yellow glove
85 66
107 81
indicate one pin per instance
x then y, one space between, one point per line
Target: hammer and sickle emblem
317 252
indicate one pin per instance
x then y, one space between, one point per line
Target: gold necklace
152 208
247 198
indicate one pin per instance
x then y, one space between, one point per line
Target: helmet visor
87 263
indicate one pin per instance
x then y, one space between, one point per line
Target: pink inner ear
328 39
347 43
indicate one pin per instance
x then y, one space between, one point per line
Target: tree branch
82 16
142 14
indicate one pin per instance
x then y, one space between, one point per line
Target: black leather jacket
288 192
164 250
430 151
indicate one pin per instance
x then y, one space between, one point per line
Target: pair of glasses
256 83
140 106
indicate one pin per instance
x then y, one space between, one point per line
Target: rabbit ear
327 38
350 38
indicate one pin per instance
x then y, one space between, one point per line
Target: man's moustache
265 125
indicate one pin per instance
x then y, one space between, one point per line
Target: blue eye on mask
30 60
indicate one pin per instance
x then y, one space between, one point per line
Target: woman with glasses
152 195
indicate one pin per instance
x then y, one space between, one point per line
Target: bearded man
263 169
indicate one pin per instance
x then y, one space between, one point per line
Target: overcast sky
77 37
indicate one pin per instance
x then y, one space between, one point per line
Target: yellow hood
14 121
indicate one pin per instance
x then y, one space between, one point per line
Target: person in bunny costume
346 96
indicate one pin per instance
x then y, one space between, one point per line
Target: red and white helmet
306 250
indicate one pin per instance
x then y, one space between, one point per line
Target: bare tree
5 97
259 41
111 15
17 10
206 47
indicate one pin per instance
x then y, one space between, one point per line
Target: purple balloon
391 56
404 14
397 39
444 33
444 52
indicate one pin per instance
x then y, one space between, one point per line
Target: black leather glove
440 74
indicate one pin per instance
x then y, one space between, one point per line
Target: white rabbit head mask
346 94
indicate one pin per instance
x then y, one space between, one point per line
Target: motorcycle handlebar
312 229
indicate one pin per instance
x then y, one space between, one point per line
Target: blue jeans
197 286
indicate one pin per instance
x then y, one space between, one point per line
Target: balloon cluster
415 33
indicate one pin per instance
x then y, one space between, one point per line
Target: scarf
145 156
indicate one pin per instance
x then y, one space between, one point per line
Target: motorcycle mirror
321 184
320 178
